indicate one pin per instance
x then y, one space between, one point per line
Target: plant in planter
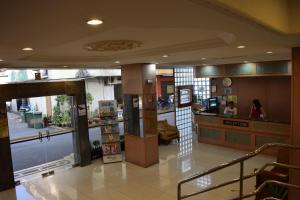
66 118
61 117
89 102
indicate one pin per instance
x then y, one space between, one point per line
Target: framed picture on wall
185 95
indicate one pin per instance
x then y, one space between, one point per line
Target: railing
241 173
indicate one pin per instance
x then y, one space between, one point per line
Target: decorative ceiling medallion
113 45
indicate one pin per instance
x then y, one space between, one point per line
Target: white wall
99 91
40 102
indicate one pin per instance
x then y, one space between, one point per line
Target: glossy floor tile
125 181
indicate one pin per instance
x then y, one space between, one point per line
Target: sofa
167 132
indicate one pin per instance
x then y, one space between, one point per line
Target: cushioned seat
167 132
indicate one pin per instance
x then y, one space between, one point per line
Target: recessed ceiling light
269 52
117 62
241 47
165 56
65 66
1 60
94 22
245 61
203 58
27 49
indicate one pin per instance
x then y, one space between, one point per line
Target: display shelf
111 146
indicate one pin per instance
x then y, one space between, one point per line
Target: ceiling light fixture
165 56
203 58
117 62
269 52
245 61
1 60
27 49
94 22
65 66
241 47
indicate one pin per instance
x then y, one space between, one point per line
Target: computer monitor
213 103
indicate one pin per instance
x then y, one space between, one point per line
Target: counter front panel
239 132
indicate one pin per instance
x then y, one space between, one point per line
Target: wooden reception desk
238 132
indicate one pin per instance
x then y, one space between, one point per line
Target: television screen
213 102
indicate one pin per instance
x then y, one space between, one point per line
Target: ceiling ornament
113 45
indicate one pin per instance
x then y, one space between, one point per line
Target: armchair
167 132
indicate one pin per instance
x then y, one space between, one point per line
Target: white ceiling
184 30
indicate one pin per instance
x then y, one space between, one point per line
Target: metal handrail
225 165
266 183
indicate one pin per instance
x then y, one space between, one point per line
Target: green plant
89 101
57 115
96 143
60 117
66 118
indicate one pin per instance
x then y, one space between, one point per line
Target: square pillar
295 135
6 168
141 142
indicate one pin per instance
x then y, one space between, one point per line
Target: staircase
270 185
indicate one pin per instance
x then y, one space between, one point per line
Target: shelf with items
111 146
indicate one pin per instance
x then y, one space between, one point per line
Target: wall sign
81 110
235 123
184 95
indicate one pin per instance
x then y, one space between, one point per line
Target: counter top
237 117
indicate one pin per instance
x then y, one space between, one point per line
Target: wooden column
140 79
6 168
295 136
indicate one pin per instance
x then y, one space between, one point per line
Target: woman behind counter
230 109
257 111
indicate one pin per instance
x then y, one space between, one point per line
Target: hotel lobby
182 99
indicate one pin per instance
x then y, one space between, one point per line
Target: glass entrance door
41 135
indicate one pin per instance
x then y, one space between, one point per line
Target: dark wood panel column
81 138
6 168
295 137
140 79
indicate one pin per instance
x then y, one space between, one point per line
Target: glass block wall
202 88
184 76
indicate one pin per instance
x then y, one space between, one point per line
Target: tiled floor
125 181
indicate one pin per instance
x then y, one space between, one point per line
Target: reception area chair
167 132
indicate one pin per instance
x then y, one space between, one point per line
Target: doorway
41 135
42 139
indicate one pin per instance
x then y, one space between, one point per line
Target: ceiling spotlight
203 58
65 66
27 49
269 52
94 22
117 62
241 47
165 56
1 60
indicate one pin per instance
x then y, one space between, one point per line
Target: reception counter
239 132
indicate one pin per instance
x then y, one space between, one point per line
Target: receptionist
257 111
230 109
